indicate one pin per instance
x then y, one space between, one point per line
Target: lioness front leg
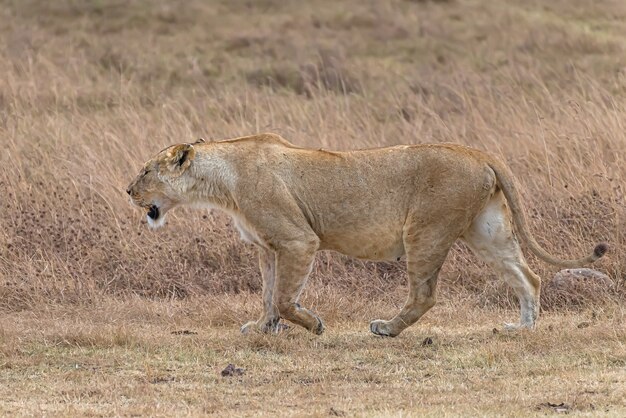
268 322
294 260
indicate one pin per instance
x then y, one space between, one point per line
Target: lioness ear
180 157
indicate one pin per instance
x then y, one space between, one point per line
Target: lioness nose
128 191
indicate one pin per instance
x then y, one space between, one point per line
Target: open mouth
155 216
153 212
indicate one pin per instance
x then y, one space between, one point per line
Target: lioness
377 204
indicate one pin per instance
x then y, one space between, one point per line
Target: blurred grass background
90 89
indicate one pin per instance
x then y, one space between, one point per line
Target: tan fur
378 204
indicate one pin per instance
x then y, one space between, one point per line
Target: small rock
560 408
231 370
583 325
577 286
427 341
162 379
569 277
336 412
184 332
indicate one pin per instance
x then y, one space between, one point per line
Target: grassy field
89 297
166 359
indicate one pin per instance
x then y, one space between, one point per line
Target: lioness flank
377 204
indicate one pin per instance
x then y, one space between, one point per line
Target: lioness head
163 182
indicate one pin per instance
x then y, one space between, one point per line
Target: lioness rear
377 204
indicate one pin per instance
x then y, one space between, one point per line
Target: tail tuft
600 249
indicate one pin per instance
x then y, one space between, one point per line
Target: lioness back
357 202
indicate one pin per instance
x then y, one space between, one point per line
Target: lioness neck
213 181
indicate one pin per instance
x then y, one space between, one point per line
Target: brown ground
165 358
89 296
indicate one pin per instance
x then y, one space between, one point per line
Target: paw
510 327
516 327
320 327
265 327
248 327
382 328
274 327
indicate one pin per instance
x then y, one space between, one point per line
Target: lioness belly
371 245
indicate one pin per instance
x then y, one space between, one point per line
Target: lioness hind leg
491 238
294 261
422 297
425 253
268 322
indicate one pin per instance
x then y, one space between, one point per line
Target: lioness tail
507 184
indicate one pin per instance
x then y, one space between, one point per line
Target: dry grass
165 358
89 90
